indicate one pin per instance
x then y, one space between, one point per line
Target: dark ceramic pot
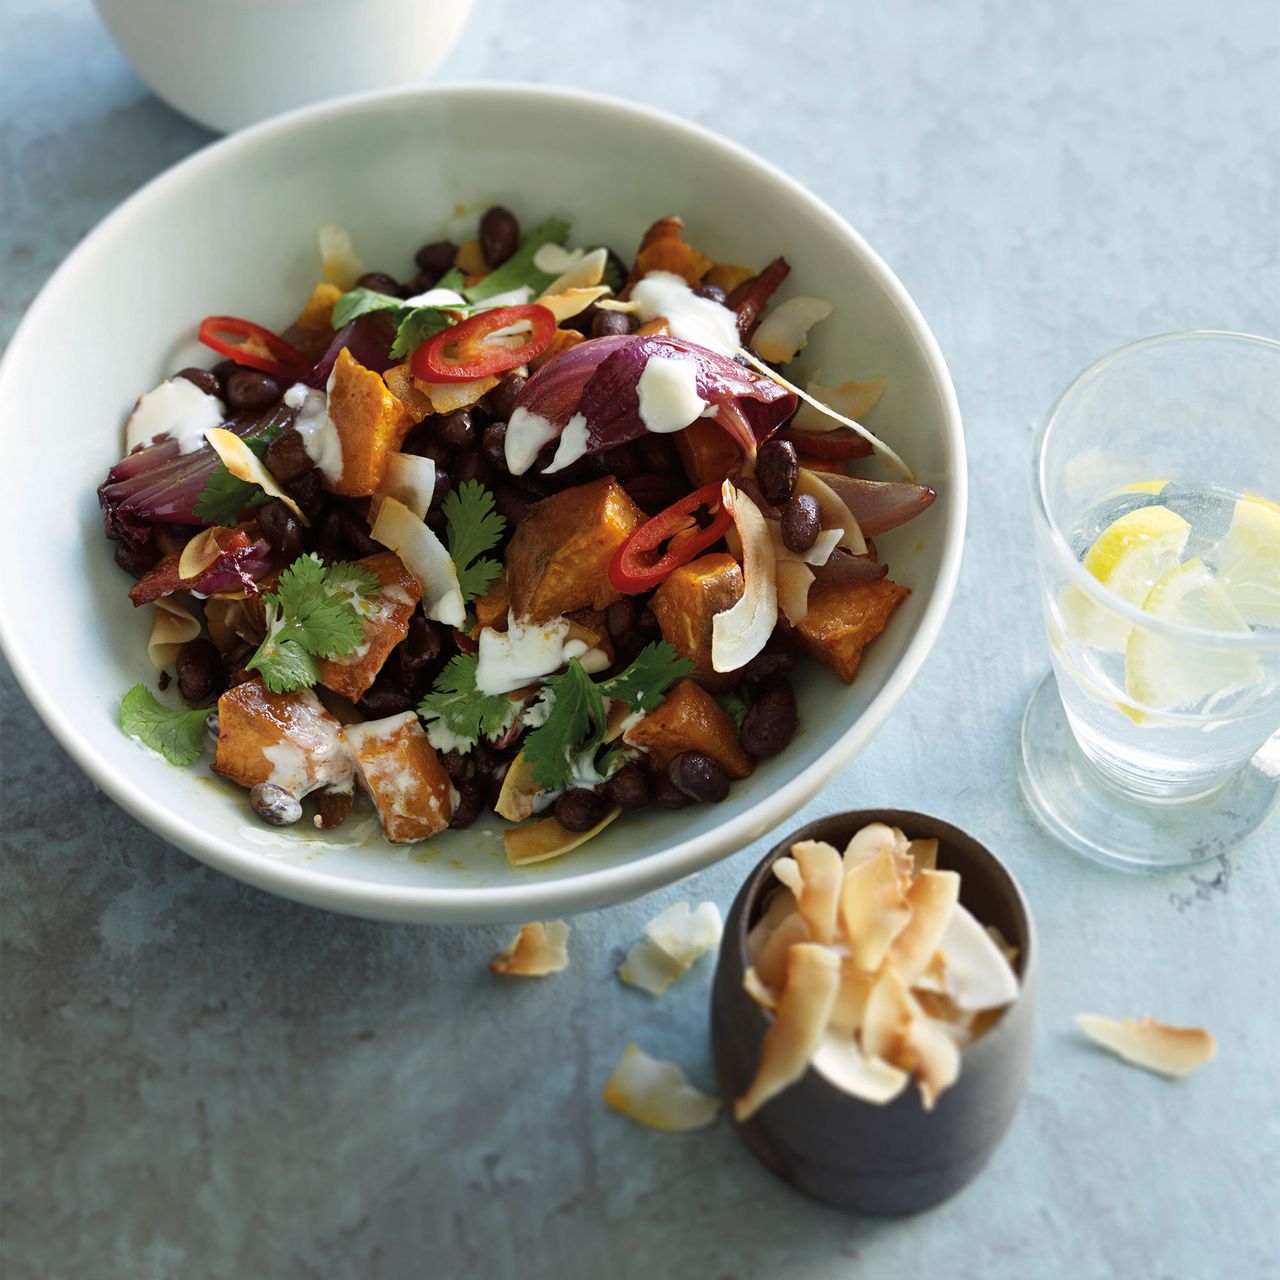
867 1159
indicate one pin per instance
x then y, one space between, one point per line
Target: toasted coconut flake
616 304
784 331
932 897
426 557
445 397
852 399
897 1029
924 855
856 986
882 449
936 1055
171 627
781 903
342 265
577 271
410 480
978 975
245 465
571 302
934 977
518 792
199 553
834 511
1010 951
787 870
541 841
772 962
537 950
839 1059
650 968
813 979
821 875
754 986
658 1094
470 259
1166 1050
728 275
794 580
868 843
742 631
873 909
686 935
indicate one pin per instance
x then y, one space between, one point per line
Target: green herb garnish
474 527
224 496
177 735
733 705
518 270
464 713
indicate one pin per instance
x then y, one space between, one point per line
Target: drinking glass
1155 740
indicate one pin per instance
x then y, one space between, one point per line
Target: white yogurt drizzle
695 319
668 391
176 408
527 652
311 753
527 432
319 435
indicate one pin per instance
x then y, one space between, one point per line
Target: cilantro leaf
224 496
176 735
519 269
733 705
574 723
314 612
452 279
474 528
459 713
642 685
418 324
360 302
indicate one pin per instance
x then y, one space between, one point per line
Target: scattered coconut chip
873 909
578 271
873 1080
199 553
518 792
426 557
794 580
754 986
342 265
245 465
650 968
784 331
685 935
616 304
410 480
171 627
822 875
540 841
978 975
834 511
852 399
787 870
813 979
931 898
537 950
658 1094
571 302
552 259
742 631
1166 1050
446 397
885 453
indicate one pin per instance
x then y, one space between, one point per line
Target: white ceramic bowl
230 63
231 231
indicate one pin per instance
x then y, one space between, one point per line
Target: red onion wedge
243 559
843 569
880 505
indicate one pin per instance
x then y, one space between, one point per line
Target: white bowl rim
433 904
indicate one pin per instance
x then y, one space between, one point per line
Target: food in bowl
535 531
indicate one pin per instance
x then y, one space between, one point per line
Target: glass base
1075 803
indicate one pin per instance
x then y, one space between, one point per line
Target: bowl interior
232 231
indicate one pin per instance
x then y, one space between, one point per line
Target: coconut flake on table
658 1094
539 949
675 940
1157 1046
695 319
177 408
784 331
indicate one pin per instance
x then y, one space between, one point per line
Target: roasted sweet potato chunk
558 559
404 386
285 738
690 720
665 249
706 452
842 621
404 778
385 625
491 608
371 425
686 604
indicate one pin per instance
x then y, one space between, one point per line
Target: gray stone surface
202 1081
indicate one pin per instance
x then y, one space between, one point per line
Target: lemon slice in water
1174 674
1129 557
1249 561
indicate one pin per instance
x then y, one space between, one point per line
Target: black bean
713 293
308 491
579 809
135 559
436 521
384 698
647 622
771 722
472 466
536 485
424 643
436 258
657 454
488 759
425 445
700 776
654 493
470 803
282 528
252 389
205 379
222 371
287 456
620 616
379 282
610 324
776 658
420 283
234 660
628 788
332 808
456 430
499 235
512 505
200 674
801 523
502 399
621 462
459 767
666 795
275 805
493 444
777 470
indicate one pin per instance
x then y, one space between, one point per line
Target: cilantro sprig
314 612
474 527
178 735
457 715
224 496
